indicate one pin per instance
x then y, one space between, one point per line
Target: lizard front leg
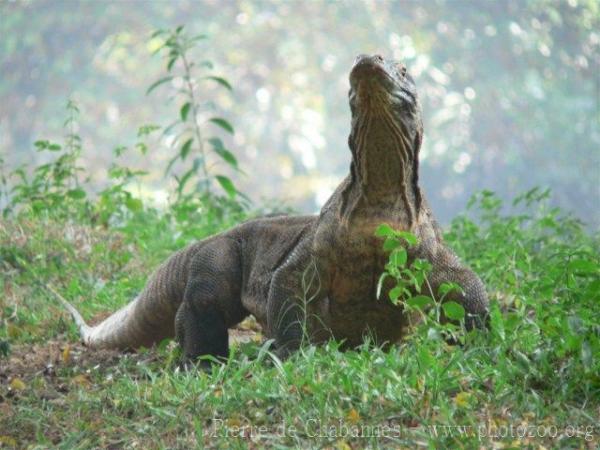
447 268
297 286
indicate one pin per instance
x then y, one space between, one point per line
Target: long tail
150 317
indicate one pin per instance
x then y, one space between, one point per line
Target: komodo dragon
308 274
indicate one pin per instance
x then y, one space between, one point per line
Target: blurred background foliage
510 90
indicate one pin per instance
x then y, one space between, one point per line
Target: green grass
535 372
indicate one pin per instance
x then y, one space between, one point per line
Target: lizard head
386 125
384 90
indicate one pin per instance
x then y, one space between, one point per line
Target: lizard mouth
371 70
378 85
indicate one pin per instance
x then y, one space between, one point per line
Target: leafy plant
54 187
190 128
409 279
546 270
115 200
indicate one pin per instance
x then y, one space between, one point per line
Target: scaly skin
309 276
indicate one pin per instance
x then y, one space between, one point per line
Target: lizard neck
383 172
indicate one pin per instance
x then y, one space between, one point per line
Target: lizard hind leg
211 302
201 332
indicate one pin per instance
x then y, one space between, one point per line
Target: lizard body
313 276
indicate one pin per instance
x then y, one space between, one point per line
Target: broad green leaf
171 62
181 182
409 275
222 81
216 142
199 37
399 257
446 288
77 193
453 310
170 164
408 237
391 243
395 294
40 145
118 151
141 147
227 156
421 265
227 185
222 123
186 147
419 278
419 301
185 109
146 130
157 33
384 230
158 83
134 204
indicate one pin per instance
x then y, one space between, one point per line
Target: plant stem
197 132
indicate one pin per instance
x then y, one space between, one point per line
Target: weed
189 130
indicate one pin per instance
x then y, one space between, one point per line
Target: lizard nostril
378 58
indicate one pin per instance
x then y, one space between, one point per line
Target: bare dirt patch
43 360
28 361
